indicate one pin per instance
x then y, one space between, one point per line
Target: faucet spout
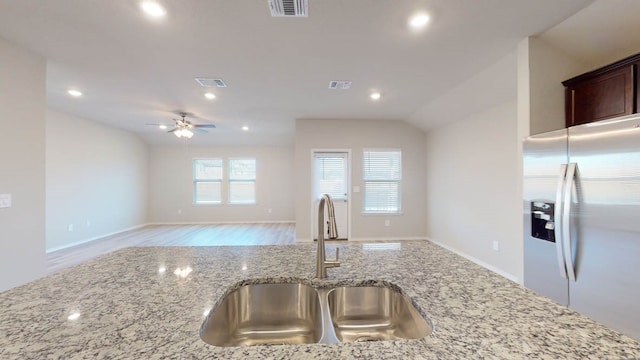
321 259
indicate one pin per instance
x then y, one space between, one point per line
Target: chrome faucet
321 263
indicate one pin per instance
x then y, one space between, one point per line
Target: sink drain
367 338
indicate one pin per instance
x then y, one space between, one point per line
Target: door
605 231
543 261
331 176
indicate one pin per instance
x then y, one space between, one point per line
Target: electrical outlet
269 211
496 245
5 200
179 211
70 227
387 222
88 223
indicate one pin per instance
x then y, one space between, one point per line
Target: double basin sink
297 313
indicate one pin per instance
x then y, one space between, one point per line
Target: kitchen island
149 303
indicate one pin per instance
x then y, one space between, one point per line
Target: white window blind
330 175
242 181
382 175
207 181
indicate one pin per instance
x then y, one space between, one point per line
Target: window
382 174
242 181
207 181
330 175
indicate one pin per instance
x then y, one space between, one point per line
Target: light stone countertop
130 310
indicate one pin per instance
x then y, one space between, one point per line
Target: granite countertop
129 309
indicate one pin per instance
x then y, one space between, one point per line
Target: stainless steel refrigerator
582 220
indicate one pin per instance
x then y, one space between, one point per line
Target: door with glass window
331 176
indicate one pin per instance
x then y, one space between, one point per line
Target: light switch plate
356 189
5 201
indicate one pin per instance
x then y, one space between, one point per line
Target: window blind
330 175
382 175
207 181
242 181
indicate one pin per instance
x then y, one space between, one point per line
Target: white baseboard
221 222
95 238
394 238
478 261
303 240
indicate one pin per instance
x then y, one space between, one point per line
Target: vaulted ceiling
134 70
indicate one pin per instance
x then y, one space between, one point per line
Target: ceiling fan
184 128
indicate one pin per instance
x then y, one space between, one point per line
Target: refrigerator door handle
566 221
557 220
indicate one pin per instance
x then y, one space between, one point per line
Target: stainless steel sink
374 313
261 314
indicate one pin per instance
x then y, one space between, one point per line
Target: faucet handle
333 263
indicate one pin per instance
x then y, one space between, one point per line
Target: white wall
548 68
171 185
22 165
358 135
96 180
472 181
474 174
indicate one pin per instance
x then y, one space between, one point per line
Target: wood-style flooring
175 235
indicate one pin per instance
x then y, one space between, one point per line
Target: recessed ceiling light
418 21
210 96
153 9
375 96
245 128
74 93
162 126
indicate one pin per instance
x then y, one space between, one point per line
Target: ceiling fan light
183 133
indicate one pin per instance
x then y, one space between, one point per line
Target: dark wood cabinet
604 93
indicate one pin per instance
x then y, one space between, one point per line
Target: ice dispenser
542 226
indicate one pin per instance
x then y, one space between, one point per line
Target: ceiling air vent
296 8
339 84
205 82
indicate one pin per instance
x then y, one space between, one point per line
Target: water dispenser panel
542 226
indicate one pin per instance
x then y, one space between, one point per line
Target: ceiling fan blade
174 129
206 126
195 129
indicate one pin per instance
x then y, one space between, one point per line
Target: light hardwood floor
175 235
